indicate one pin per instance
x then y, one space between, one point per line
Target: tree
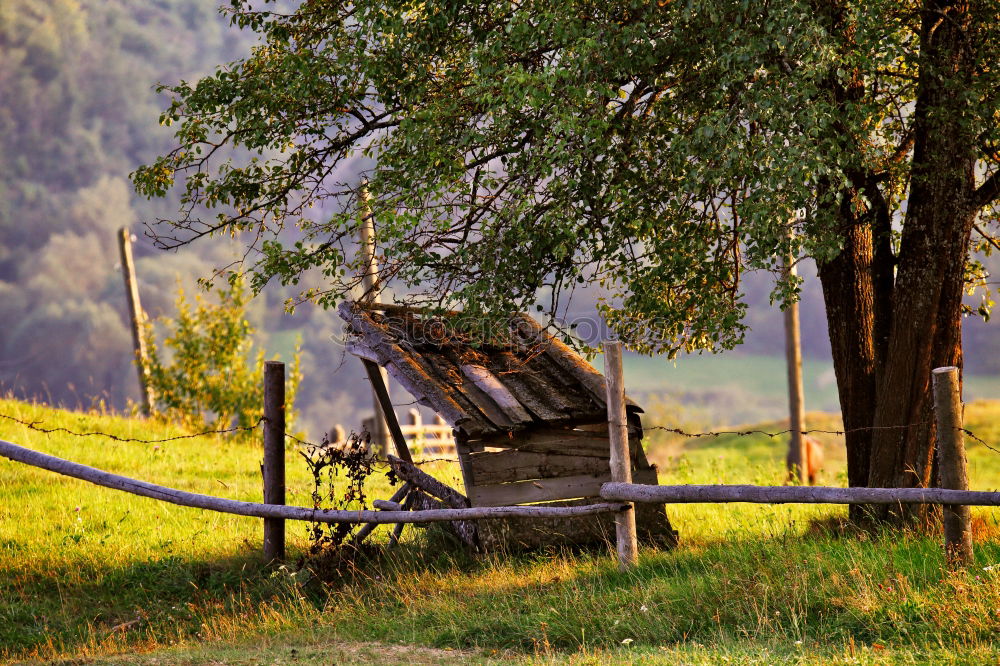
213 376
658 150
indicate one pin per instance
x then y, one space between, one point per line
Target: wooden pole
692 494
797 459
370 284
365 530
136 316
953 464
382 398
621 467
236 507
274 457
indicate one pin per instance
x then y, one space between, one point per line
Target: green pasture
90 575
735 388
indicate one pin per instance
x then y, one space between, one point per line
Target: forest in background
78 113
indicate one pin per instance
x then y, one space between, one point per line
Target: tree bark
849 296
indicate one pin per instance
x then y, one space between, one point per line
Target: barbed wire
383 461
35 425
38 427
980 440
778 433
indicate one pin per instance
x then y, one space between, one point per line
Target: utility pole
136 316
371 287
797 459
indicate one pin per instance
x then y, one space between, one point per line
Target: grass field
742 388
95 576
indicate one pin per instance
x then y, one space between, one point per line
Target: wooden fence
427 440
619 495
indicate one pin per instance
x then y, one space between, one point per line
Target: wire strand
35 425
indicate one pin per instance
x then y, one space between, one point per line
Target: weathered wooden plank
447 381
489 384
545 410
388 412
563 389
513 534
492 467
568 359
424 481
565 442
463 450
496 416
410 374
542 490
537 396
456 370
361 350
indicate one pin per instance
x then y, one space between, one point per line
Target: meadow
738 387
91 575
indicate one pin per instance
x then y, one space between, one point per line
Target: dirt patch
293 652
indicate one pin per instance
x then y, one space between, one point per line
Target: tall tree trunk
926 319
849 295
889 331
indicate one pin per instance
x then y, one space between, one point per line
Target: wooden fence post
797 459
953 464
274 457
416 422
136 316
621 461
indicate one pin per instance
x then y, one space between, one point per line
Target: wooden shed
529 417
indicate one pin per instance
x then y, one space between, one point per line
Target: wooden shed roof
524 378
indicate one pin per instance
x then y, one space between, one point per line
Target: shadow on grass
80 606
823 589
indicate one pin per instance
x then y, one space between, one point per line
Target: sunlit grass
86 571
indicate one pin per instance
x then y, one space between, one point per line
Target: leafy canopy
520 149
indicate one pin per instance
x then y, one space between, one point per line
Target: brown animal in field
814 458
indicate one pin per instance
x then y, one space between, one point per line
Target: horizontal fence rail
692 494
253 509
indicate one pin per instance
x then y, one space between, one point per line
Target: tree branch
987 192
989 239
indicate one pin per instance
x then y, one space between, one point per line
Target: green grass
130 580
742 388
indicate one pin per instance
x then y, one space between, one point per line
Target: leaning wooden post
274 457
621 464
953 464
371 286
136 316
